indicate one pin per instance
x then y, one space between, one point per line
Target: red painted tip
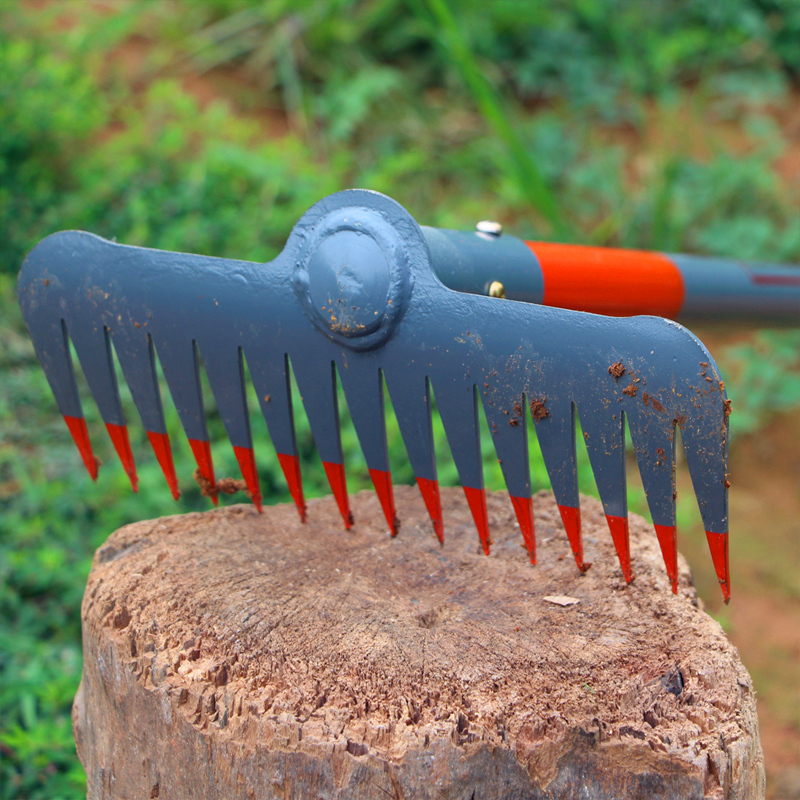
477 505
80 435
382 480
163 451
718 544
619 533
338 482
433 503
291 471
523 507
247 464
667 538
571 517
119 437
201 450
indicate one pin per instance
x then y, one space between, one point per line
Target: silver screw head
490 227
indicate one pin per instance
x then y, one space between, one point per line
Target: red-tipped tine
80 435
163 451
382 480
433 503
619 533
291 471
571 517
668 540
718 544
119 437
477 505
338 482
523 508
201 449
247 464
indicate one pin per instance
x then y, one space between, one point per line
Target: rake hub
352 276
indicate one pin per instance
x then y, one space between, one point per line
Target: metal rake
359 293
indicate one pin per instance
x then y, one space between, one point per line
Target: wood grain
236 655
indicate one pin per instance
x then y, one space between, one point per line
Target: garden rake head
355 294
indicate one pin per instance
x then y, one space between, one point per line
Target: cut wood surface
235 655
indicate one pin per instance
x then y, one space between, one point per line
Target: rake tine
270 375
604 434
363 388
509 428
654 444
411 400
555 430
458 408
80 435
711 492
122 444
38 292
181 361
318 393
159 441
225 372
201 450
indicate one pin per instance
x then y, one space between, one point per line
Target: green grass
517 117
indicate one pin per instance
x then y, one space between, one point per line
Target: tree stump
235 655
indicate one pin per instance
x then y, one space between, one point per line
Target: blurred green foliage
312 96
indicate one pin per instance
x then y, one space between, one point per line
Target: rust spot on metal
728 406
539 409
616 370
631 390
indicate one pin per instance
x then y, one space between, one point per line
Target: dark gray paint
391 315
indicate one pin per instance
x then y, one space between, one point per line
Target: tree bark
235 655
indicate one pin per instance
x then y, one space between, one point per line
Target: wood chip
561 600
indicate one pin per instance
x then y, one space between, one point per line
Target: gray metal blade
354 287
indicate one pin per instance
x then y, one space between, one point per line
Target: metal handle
616 282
